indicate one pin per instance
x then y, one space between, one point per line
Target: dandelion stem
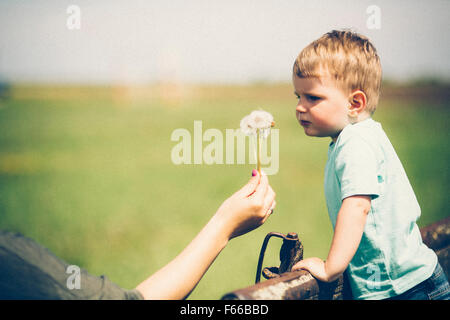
258 151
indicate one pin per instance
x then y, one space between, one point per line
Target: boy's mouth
304 122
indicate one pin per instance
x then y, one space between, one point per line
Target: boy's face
322 108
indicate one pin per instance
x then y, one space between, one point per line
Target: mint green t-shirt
391 257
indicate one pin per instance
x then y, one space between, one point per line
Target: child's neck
360 118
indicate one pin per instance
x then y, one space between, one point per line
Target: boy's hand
315 266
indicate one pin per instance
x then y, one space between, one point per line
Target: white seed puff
258 119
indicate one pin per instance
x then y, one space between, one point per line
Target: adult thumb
251 185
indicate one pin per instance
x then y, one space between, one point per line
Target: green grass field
87 172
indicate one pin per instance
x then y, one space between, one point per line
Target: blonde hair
349 58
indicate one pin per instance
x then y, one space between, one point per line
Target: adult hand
249 207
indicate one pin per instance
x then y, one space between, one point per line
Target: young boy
370 201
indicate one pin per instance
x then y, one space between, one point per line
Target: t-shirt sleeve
357 169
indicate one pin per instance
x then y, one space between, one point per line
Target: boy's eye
313 98
309 97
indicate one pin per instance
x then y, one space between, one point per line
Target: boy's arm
348 231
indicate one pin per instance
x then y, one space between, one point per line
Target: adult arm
244 211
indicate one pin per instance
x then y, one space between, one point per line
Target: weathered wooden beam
296 285
437 237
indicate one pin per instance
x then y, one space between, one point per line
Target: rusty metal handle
263 250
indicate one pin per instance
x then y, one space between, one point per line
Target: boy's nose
300 108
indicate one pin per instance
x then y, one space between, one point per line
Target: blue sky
234 41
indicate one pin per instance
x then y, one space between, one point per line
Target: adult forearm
178 278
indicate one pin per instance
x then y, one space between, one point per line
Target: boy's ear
358 103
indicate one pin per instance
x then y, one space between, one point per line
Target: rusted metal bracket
291 252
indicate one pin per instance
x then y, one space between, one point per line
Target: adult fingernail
254 172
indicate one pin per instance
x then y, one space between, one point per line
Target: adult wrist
220 230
